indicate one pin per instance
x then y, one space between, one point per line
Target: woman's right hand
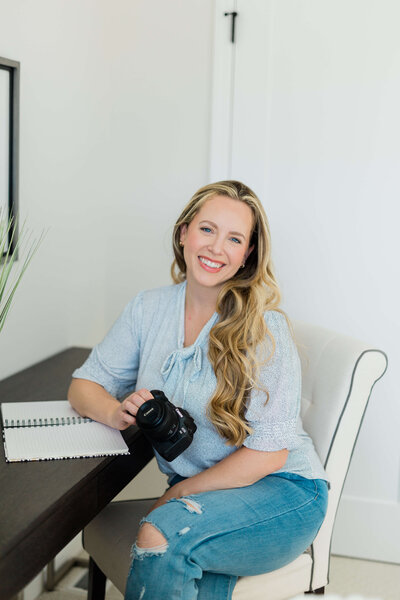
123 415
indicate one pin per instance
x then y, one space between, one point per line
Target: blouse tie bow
179 357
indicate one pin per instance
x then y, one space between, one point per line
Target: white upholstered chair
338 375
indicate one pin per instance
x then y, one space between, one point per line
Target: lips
212 266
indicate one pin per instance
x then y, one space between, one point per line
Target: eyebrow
238 233
216 226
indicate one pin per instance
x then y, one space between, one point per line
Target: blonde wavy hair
241 332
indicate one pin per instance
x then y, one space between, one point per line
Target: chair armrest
369 366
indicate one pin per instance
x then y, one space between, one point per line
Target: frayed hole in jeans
192 505
141 553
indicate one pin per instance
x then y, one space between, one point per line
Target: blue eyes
209 230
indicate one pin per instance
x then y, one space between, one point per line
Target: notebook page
17 414
69 441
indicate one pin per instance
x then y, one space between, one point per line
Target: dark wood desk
43 505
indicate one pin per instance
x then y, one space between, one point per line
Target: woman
249 494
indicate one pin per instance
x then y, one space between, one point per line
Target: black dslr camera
169 429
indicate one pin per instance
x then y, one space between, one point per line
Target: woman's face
216 241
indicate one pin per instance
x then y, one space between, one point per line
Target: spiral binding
45 421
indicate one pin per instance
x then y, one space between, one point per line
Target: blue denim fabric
225 534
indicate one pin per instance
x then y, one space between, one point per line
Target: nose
216 246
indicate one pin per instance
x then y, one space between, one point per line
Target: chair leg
320 590
97 582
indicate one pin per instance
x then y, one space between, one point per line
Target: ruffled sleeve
114 363
274 423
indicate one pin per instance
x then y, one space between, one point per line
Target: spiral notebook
53 430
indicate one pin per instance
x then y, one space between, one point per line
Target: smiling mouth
210 265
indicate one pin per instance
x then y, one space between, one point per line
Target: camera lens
168 428
155 418
151 414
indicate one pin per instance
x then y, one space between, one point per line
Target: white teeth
213 265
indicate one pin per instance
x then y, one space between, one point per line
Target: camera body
169 429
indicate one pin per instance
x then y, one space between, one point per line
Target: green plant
13 250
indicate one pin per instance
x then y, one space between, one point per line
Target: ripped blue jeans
212 538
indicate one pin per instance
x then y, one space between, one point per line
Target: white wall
333 189
114 140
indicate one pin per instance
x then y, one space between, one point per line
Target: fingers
126 420
145 394
132 403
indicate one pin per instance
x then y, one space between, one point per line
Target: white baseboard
367 529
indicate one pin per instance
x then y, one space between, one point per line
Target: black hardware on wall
233 15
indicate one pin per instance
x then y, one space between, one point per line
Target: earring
181 243
243 266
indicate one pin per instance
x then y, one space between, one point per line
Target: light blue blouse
144 349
